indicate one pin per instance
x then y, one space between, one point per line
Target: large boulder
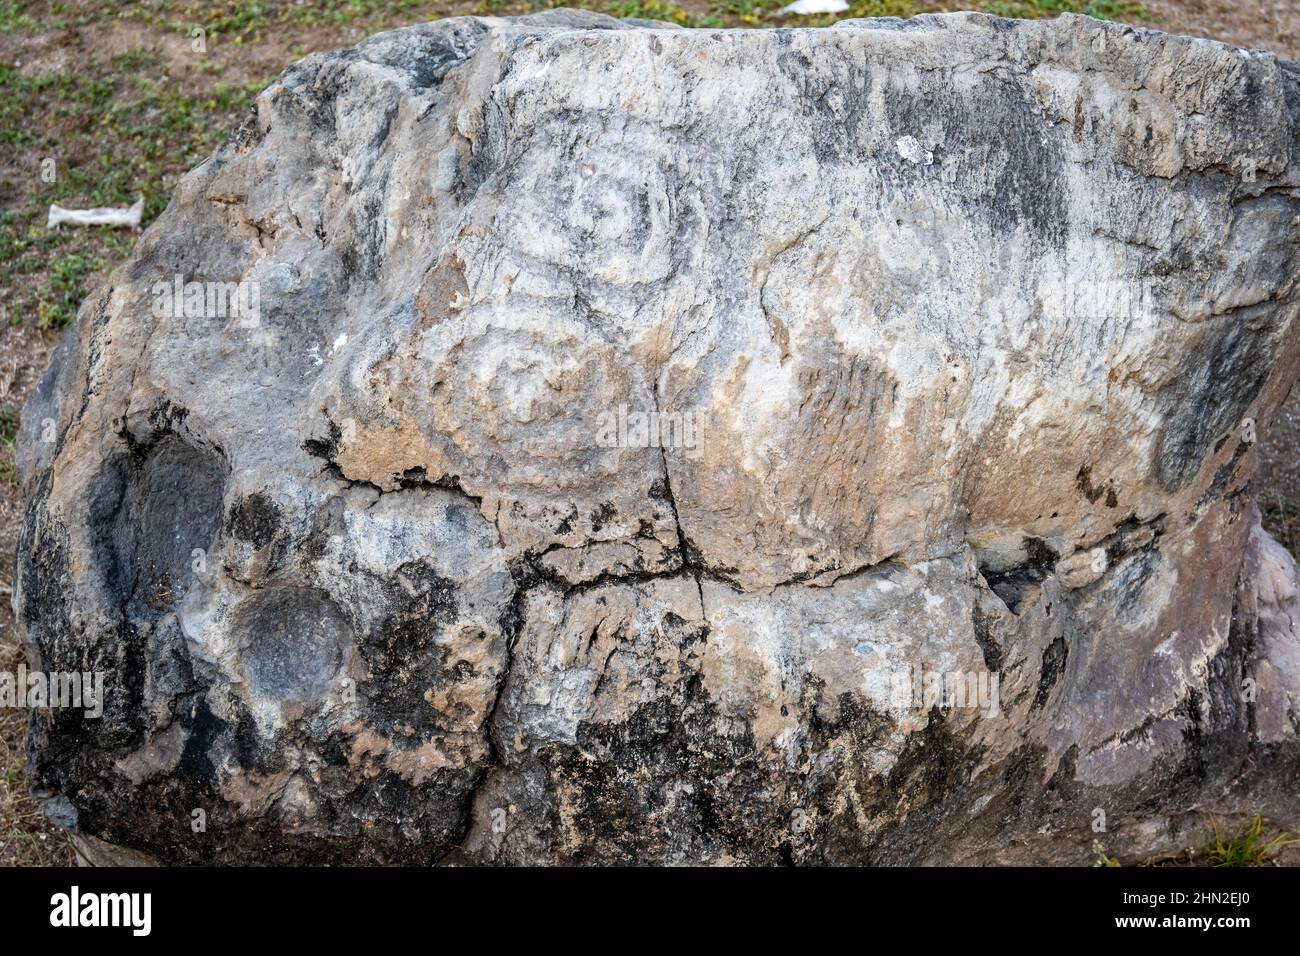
628 443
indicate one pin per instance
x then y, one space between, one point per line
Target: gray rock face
641 444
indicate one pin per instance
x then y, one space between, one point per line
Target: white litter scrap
96 217
807 8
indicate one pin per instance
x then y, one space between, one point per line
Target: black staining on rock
362 253
177 511
1127 584
402 657
983 625
1054 658
1132 554
1210 395
935 765
1006 188
617 801
327 522
150 512
1219 721
33 451
325 448
114 547
204 730
295 643
1132 538
435 53
838 131
147 510
255 520
602 516
381 817
1223 475
487 153
1083 481
258 540
665 785
1013 585
170 672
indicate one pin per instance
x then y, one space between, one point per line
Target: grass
1281 519
251 21
1249 847
1032 9
27 838
102 137
1102 857
8 435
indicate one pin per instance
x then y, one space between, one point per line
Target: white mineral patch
914 152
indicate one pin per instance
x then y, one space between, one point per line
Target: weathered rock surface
974 320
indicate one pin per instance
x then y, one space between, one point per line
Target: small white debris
914 152
96 217
809 7
341 341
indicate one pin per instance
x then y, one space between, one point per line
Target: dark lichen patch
1006 183
602 516
149 512
254 519
170 672
1054 658
1220 728
679 780
1223 476
327 522
390 818
934 763
111 541
663 782
1015 584
1217 384
922 798
325 448
402 655
295 643
1083 481
204 729
983 625
1132 536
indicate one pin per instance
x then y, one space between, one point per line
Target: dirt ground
123 98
